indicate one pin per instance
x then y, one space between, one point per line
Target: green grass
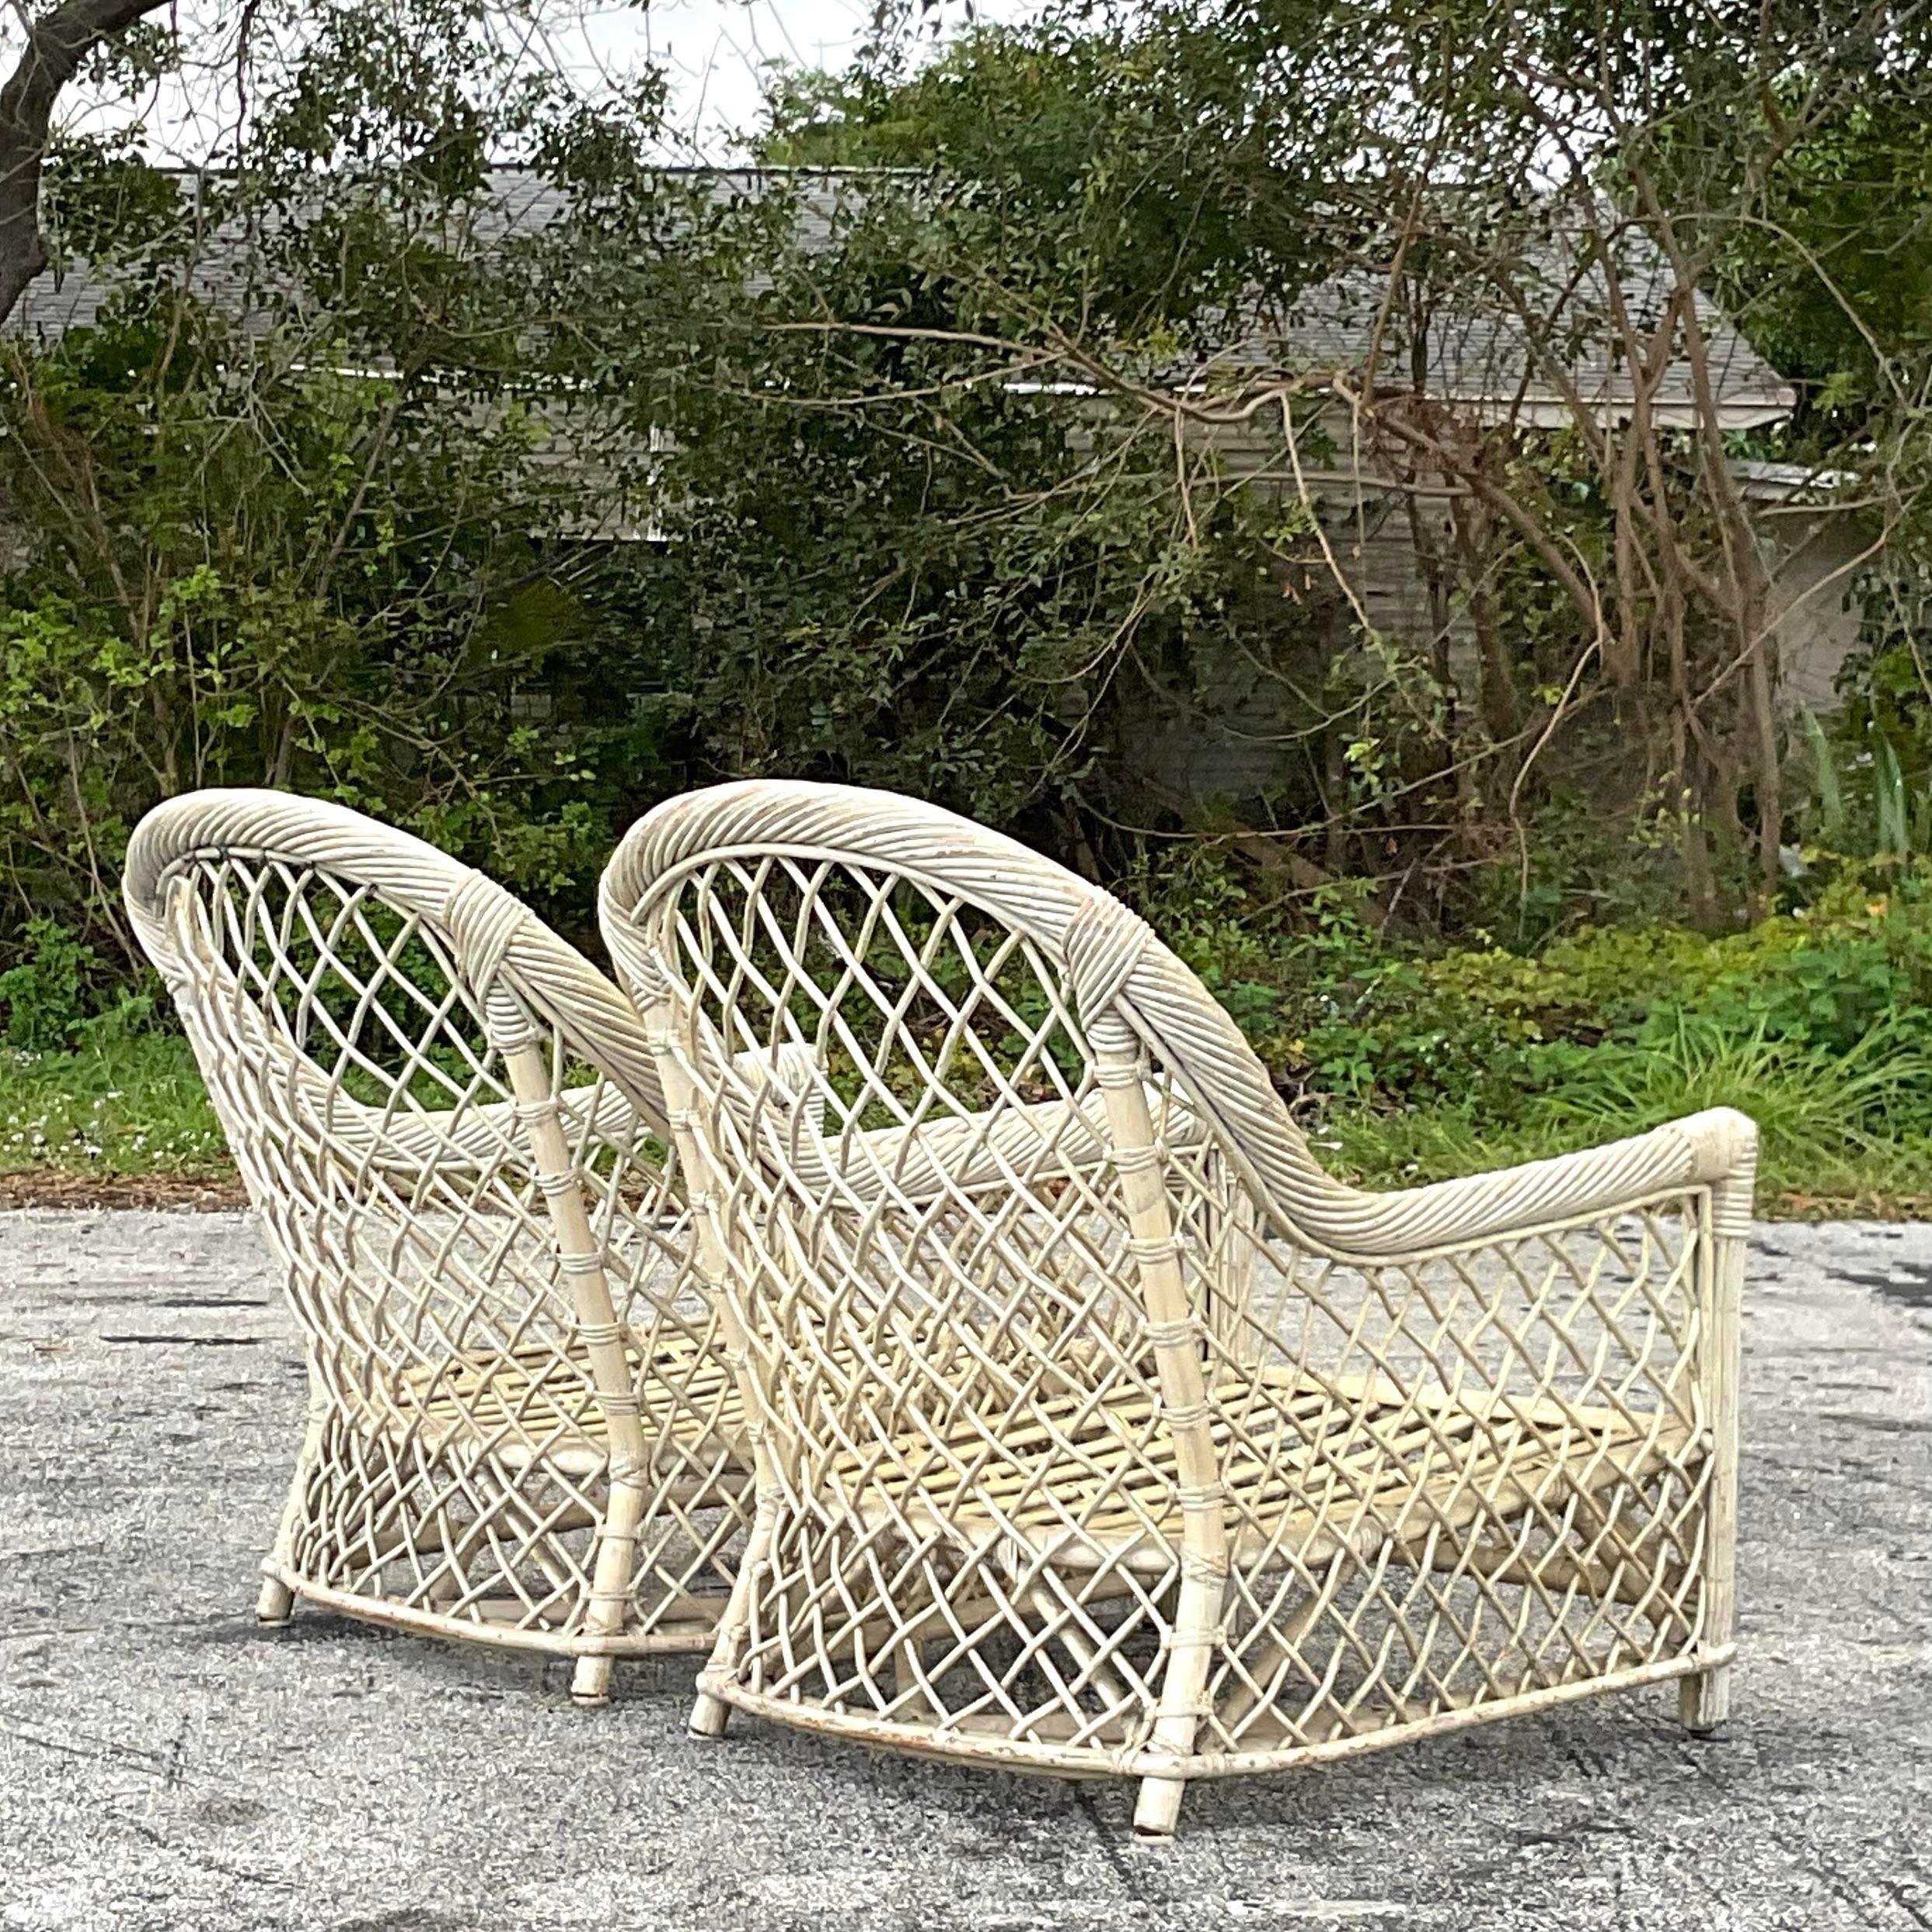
1839 1131
1881 1181
122 1105
1836 1129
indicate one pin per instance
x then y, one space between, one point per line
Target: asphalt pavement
166 1765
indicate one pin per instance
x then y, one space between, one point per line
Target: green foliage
1131 179
1413 1062
53 983
256 579
313 531
931 520
1813 1109
1870 764
891 563
1416 1067
1836 278
1110 197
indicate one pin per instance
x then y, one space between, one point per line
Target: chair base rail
686 1636
963 1745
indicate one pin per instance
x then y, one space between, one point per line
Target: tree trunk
1760 706
56 46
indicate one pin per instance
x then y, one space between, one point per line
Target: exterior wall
1818 619
1195 733
1206 733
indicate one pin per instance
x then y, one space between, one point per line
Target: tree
288 509
1572 184
983 470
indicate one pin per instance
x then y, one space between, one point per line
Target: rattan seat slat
533 1391
1408 1472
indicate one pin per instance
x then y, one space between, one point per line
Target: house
1468 355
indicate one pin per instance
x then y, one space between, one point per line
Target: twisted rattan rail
520 1431
1127 1440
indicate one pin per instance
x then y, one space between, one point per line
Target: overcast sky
714 53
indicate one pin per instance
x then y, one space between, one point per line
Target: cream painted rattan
521 1430
1098 1430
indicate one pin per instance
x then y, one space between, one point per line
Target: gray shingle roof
225 260
1479 343
1475 354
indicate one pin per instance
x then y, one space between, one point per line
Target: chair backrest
999 1216
1028 1119
968 923
425 1089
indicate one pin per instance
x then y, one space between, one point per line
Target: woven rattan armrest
947 1153
404 1140
1701 1149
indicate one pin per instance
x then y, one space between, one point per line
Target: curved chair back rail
1102 1429
449 1124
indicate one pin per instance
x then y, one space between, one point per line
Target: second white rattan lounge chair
521 1431
1103 1431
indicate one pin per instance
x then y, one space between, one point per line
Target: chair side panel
1448 1482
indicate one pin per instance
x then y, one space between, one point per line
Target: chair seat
534 1402
1309 1464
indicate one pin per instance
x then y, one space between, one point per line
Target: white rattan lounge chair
1102 1432
519 1429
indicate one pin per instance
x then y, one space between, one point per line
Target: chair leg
610 1587
709 1716
590 1682
1175 1327
274 1603
710 1713
1158 1808
1704 1701
1189 1654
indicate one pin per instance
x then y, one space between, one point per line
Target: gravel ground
164 1764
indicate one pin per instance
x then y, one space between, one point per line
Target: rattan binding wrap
1129 1441
521 1430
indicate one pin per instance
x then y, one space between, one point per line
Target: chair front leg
1704 1700
275 1602
580 1259
710 1713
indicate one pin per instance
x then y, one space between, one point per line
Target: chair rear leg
1157 1810
1177 1333
1704 1701
1190 1652
709 1716
610 1586
274 1604
710 1713
599 1332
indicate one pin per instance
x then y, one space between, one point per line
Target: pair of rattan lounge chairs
912 1296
